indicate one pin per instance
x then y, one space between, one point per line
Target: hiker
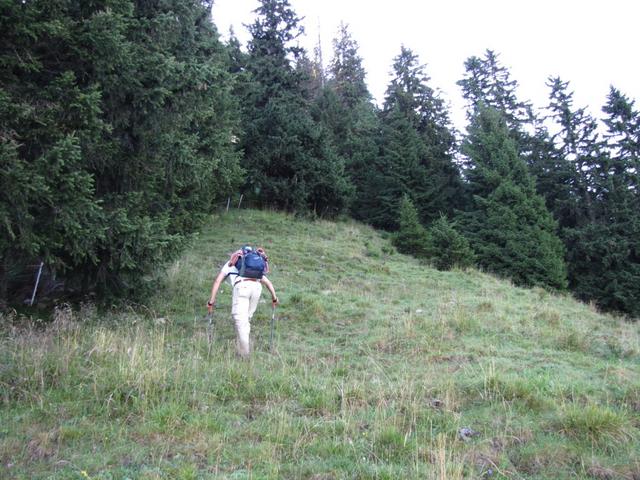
245 271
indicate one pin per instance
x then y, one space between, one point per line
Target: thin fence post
228 203
35 288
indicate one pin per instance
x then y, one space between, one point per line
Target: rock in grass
466 433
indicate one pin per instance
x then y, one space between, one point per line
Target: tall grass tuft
602 426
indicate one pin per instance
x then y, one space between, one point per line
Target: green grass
378 362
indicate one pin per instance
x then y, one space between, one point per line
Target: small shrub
446 247
412 237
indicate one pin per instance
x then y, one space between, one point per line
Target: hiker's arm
267 283
214 289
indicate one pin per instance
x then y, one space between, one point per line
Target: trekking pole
273 321
209 335
209 319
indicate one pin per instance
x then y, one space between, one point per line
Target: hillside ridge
381 368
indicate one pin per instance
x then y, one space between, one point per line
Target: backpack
251 264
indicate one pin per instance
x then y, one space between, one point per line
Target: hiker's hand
210 306
275 301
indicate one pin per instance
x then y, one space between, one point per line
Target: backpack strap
232 261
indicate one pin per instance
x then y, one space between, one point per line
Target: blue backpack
251 264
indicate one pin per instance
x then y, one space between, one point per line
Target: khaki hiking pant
246 295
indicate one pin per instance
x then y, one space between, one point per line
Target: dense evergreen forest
125 123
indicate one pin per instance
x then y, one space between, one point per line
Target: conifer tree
553 173
416 148
346 108
589 185
604 260
116 135
604 246
237 58
411 237
347 74
487 82
446 247
510 230
623 138
580 147
312 74
397 172
290 160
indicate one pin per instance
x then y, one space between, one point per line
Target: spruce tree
446 247
623 138
604 248
290 161
48 208
590 184
346 109
346 72
416 149
553 174
604 260
397 172
411 237
119 130
172 120
510 230
580 147
487 82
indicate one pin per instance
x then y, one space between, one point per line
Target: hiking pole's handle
210 306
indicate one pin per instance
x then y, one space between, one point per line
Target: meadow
380 367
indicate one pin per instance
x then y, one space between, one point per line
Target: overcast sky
592 44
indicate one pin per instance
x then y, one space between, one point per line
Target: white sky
592 44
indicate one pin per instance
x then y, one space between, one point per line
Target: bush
412 237
446 247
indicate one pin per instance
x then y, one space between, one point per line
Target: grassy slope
378 364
